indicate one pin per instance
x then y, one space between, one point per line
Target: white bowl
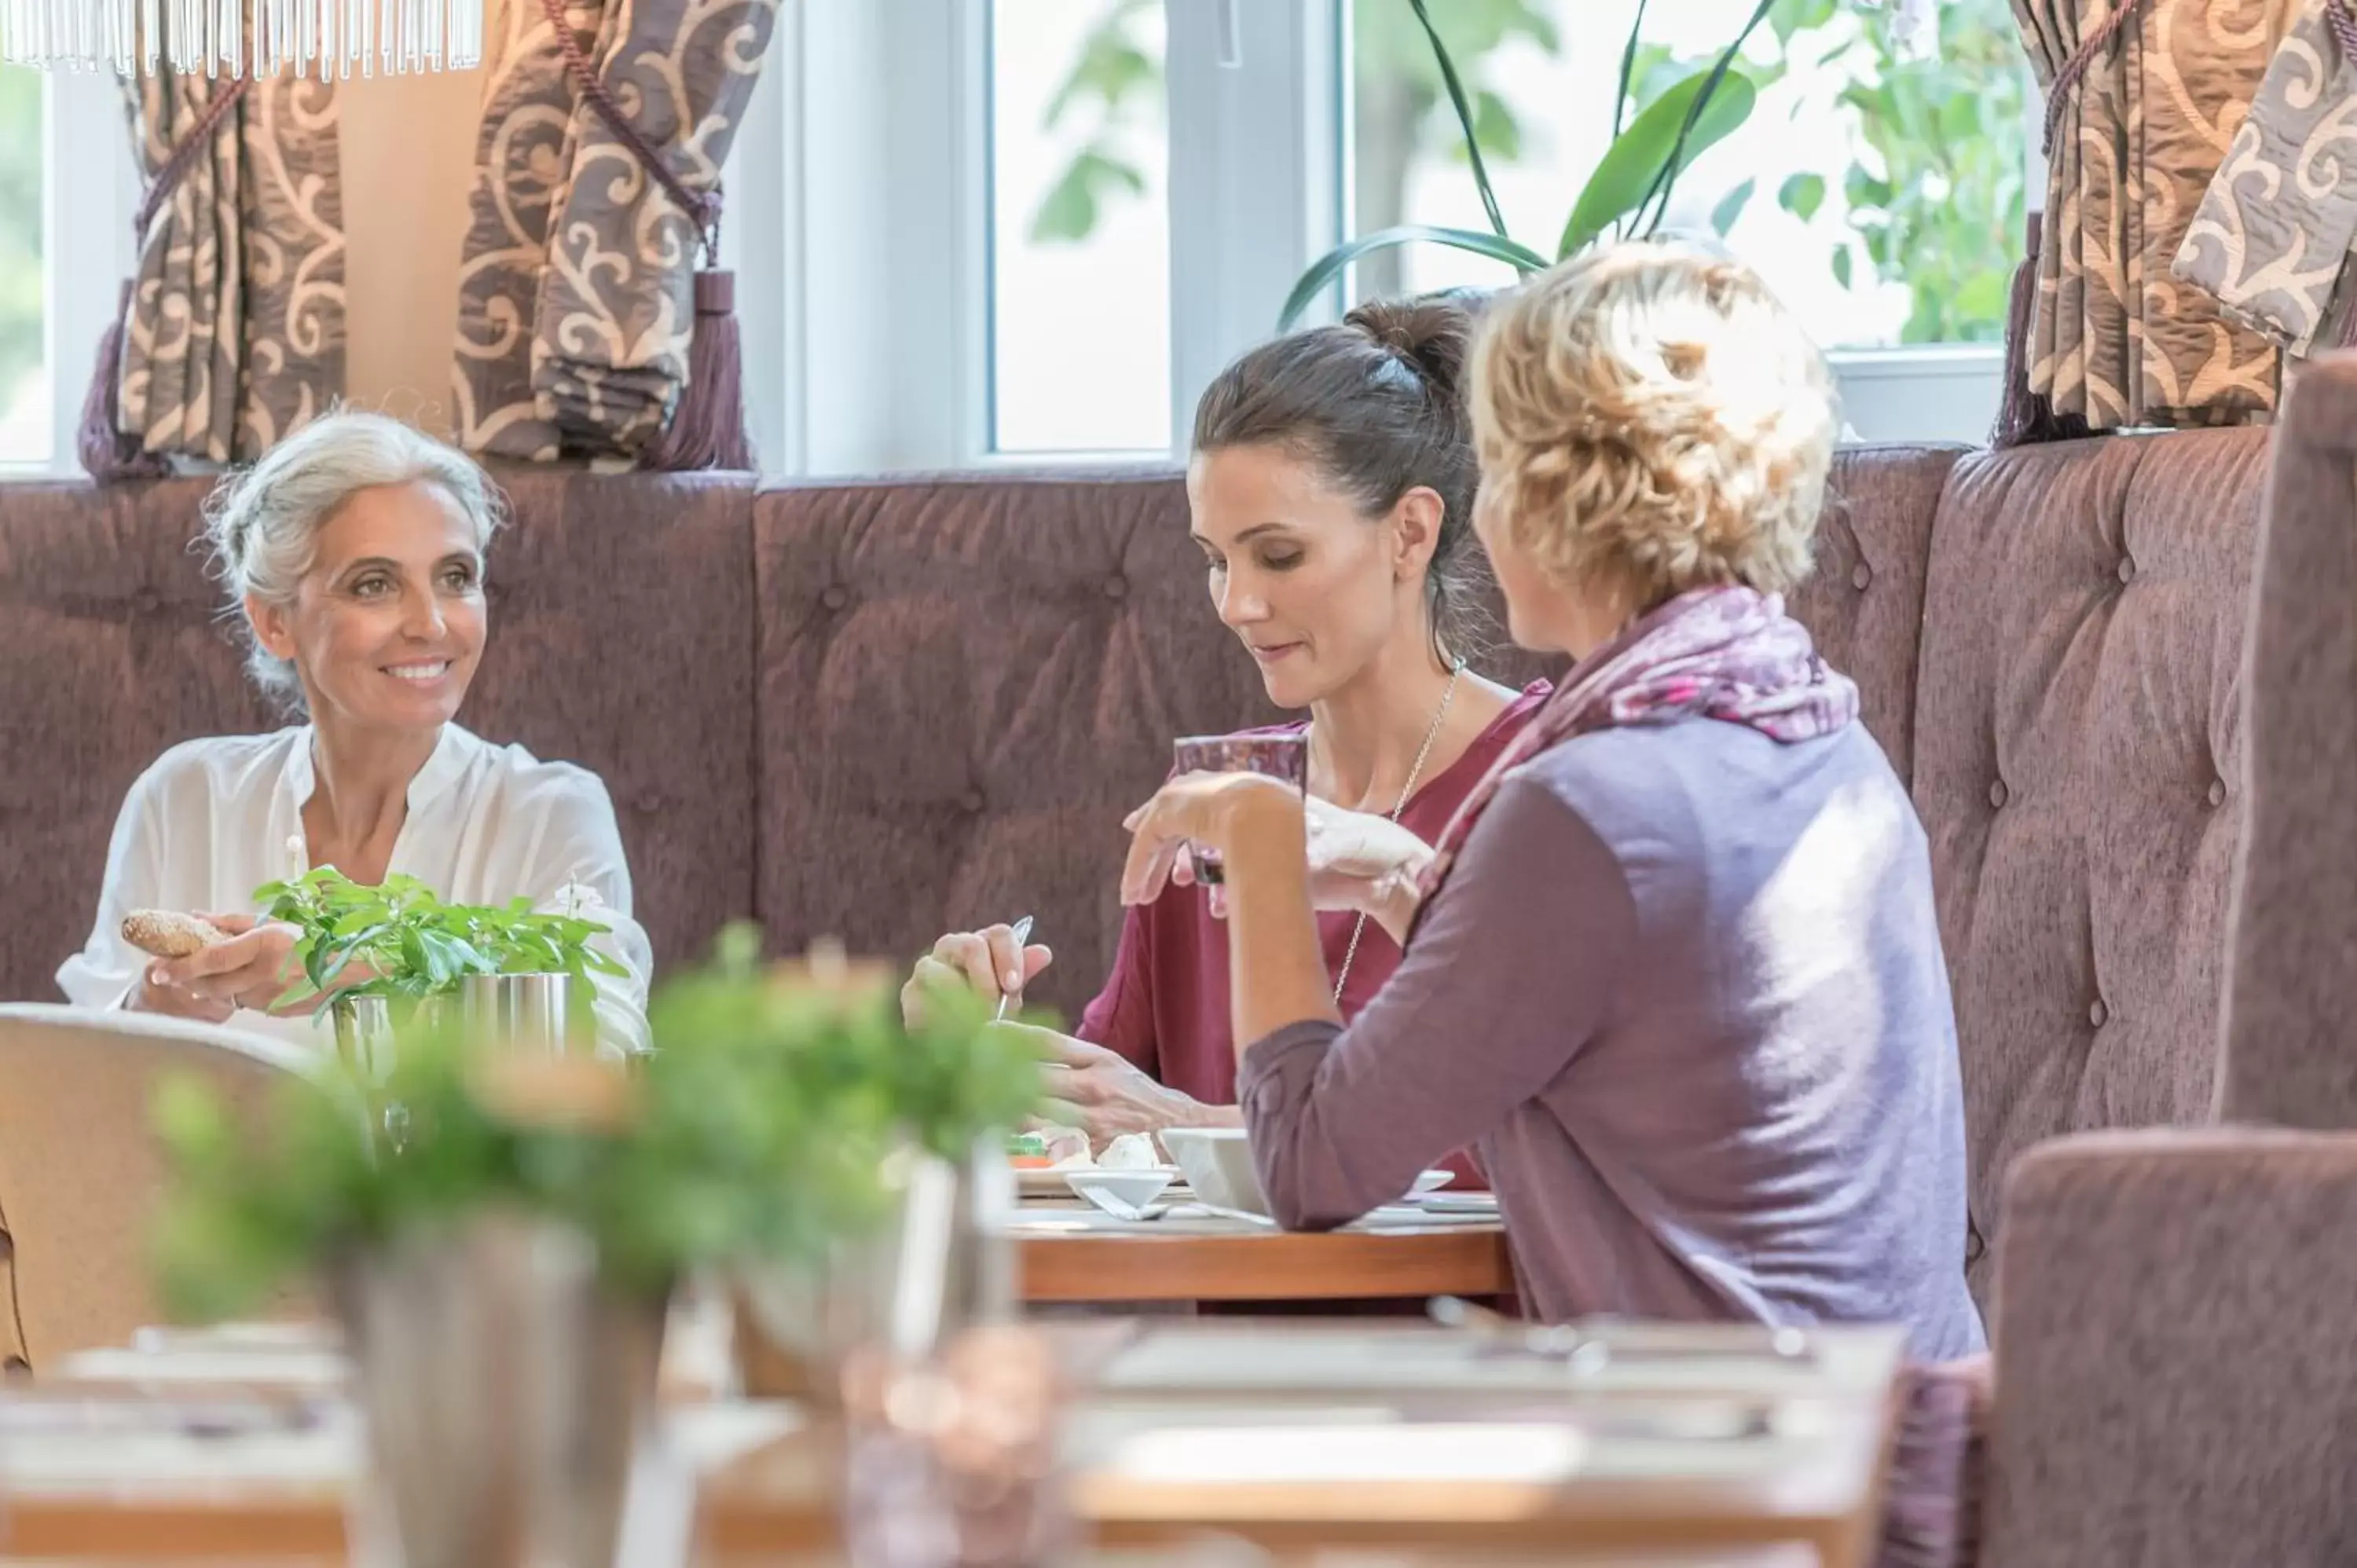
1218 1163
1135 1188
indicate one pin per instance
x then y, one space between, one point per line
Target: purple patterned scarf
1729 653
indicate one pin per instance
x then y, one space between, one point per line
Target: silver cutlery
1587 1350
1022 941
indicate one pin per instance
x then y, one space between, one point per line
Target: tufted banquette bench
880 709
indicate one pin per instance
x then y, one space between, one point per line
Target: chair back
82 1167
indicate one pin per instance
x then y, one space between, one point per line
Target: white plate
1048 1183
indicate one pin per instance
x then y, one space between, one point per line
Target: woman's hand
1105 1095
989 961
252 970
1231 814
1358 862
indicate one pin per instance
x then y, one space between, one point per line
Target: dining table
1186 1443
1074 1255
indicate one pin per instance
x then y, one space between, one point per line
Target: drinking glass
1285 757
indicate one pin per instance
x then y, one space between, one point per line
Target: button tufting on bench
1860 575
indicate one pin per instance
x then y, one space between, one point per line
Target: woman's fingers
1005 961
204 972
1148 870
968 953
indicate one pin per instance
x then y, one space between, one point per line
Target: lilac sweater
1684 992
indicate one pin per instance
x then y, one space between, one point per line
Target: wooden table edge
1077 1267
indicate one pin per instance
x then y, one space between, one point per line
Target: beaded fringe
333 39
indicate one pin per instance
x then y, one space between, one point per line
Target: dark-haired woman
1331 492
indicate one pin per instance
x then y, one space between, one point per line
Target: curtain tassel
707 422
107 454
2023 416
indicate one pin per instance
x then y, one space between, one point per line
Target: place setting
1183 1175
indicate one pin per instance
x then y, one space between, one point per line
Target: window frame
867 321
1258 181
87 249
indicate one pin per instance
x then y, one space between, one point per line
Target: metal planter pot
505 1387
941 1261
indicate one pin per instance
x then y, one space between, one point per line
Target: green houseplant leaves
410 944
756 1131
1637 173
1628 176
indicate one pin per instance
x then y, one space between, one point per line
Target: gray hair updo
263 522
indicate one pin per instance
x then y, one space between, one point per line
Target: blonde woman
353 554
1675 969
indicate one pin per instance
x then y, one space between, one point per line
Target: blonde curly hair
1651 412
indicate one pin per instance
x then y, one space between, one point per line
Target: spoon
1022 939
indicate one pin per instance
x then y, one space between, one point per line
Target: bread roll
166 933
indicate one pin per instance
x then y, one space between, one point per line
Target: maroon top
1165 1006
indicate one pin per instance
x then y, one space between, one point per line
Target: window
27 400
1039 228
1880 195
1080 227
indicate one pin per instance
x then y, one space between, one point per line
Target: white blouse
213 820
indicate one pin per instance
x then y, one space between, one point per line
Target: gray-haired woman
354 552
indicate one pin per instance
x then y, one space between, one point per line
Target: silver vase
505 1386
364 1034
518 1012
940 1262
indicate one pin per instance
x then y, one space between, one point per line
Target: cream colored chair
81 1169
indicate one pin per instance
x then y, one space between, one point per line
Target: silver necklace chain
1414 772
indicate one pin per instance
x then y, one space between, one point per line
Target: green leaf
1458 101
1495 126
1865 190
1329 266
1801 194
1985 297
1068 212
1842 267
1629 168
1628 68
1730 207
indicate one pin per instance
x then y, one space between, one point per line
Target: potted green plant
1626 193
399 940
501 1246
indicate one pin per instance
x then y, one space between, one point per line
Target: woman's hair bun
1432 332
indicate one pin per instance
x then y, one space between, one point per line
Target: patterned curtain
576 302
233 334
2273 239
2144 97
